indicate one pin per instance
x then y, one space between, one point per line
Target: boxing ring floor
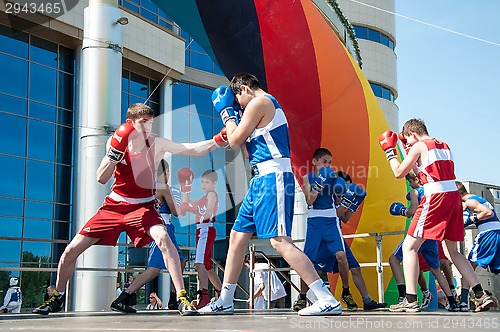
276 320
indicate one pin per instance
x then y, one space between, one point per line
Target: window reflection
14 132
201 61
14 42
373 35
180 125
65 95
38 210
43 52
42 112
42 84
12 227
13 104
40 187
11 207
13 185
180 98
37 248
202 98
38 229
10 251
33 134
14 67
41 138
139 86
201 128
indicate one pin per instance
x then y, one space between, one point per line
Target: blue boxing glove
223 101
353 197
325 177
470 218
339 186
398 209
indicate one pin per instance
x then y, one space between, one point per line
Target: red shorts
205 239
423 264
439 216
114 217
441 251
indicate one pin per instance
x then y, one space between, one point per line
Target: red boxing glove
405 143
221 138
185 177
119 142
388 140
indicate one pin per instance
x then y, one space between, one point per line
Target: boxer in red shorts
205 210
132 157
439 214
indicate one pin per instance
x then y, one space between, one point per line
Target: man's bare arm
106 169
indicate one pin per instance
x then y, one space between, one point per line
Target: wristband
226 115
390 154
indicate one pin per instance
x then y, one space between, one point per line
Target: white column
99 113
299 233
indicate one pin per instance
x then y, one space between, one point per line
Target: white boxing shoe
214 308
322 308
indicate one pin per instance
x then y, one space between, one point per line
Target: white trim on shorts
439 187
119 198
326 213
272 166
280 204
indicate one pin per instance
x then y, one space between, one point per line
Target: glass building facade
36 110
37 105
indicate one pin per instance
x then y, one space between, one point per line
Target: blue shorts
155 258
486 250
323 234
328 263
428 249
267 208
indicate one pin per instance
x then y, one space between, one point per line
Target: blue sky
451 81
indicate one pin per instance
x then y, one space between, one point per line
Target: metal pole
268 284
380 268
252 274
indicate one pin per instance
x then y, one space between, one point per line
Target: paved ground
246 320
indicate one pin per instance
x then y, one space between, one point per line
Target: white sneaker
214 308
322 308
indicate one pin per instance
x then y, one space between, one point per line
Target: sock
303 296
425 292
464 296
345 291
402 290
451 300
204 292
173 297
226 297
478 291
411 298
321 291
367 299
452 288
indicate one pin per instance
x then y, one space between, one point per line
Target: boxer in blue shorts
267 208
168 199
345 205
323 229
486 249
428 251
